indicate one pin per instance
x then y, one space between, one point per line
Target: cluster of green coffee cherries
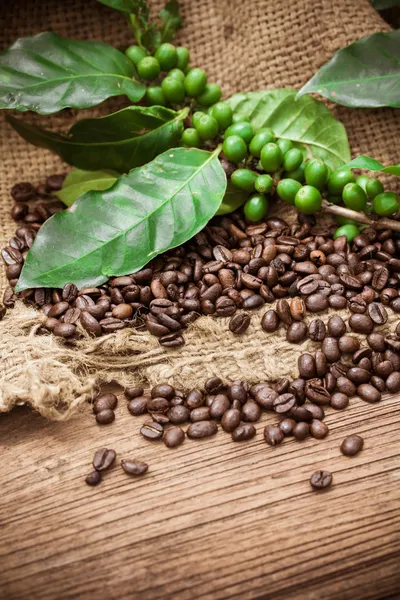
174 81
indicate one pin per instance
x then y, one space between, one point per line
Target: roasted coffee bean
252 302
316 303
301 431
270 321
287 425
339 401
352 445
378 383
377 313
321 364
297 309
219 406
308 285
296 332
300 413
346 386
214 385
337 302
93 478
316 330
330 382
89 323
316 411
230 420
383 369
239 323
104 459
306 364
178 414
318 429
321 480
393 382
338 369
138 405
172 340
194 399
358 375
163 390
282 385
111 325
368 392
361 323
58 309
315 392
64 330
336 326
284 403
380 278
393 343
158 405
283 311
69 292
122 311
201 429
348 344
244 432
134 467
394 357
152 430
105 401
133 392
265 397
273 435
173 437
330 347
22 192
200 414
296 387
251 411
105 416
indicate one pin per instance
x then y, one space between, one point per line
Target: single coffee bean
306 364
282 385
158 405
163 390
300 413
352 445
245 431
296 387
173 437
219 406
316 303
105 416
378 382
201 429
330 347
394 357
273 435
133 392
321 480
178 414
393 382
93 478
361 323
105 401
336 326
301 431
214 385
348 344
345 386
316 392
251 411
230 420
316 330
321 364
297 332
270 321
152 430
252 302
23 191
134 467
377 313
287 425
284 403
316 411
104 459
383 369
202 413
58 309
297 309
265 397
337 302
318 429
339 401
368 392
239 323
194 399
172 340
283 311
138 406
358 375
89 323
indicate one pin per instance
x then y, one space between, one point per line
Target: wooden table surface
211 520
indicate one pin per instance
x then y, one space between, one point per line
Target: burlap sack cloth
243 46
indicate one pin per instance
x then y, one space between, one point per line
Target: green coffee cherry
244 179
386 204
345 221
148 68
264 184
238 118
190 138
182 57
173 89
284 145
263 136
197 116
234 148
242 129
362 181
287 189
135 53
297 174
354 197
350 231
166 56
338 179
207 127
308 200
155 96
256 208
195 82
212 93
223 113
177 74
316 173
292 159
271 157
373 188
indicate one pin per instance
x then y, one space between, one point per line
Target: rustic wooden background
211 520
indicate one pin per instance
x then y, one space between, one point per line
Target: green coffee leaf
120 141
79 182
306 122
171 22
364 74
46 73
384 4
365 162
233 199
118 231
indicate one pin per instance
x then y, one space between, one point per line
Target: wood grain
212 520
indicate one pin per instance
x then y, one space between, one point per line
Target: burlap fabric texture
243 46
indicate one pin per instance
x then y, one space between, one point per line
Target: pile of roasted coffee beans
104 459
226 270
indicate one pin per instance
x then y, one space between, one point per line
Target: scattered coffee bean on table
93 478
104 459
352 445
134 467
321 480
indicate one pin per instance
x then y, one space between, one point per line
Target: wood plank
212 520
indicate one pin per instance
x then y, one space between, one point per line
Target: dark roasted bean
265 397
251 411
230 420
348 344
134 467
93 478
106 416
358 375
173 437
330 347
138 405
214 385
152 430
297 332
377 313
172 340
273 435
239 323
219 406
284 403
361 323
105 401
133 392
306 364
393 382
287 425
201 429
202 413
317 330
321 480
339 401
245 431
318 429
270 321
316 303
352 445
368 392
104 459
301 431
